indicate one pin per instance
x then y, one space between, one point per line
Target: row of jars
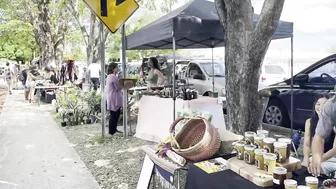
280 181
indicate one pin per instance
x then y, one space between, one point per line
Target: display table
199 179
156 115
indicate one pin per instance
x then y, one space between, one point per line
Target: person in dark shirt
51 75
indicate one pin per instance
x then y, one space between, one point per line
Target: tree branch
266 26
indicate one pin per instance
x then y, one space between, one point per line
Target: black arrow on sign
103 8
118 2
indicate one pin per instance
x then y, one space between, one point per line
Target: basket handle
172 129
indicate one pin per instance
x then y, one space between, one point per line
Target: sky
314 29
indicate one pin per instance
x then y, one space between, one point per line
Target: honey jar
259 158
249 155
290 184
280 150
239 147
279 177
312 182
288 141
269 162
263 132
268 144
249 137
258 140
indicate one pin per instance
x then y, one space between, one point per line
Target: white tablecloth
156 115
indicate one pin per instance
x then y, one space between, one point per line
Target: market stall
193 25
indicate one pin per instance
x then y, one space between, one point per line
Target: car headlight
223 91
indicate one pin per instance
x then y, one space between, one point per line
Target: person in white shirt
94 70
8 77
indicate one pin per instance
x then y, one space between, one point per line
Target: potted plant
62 112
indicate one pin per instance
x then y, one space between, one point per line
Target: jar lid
241 143
303 187
250 134
311 180
285 140
269 140
280 145
265 132
249 147
290 182
270 156
260 151
280 170
259 136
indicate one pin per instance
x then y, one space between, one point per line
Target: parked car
199 73
271 74
316 79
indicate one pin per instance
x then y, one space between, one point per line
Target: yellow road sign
113 13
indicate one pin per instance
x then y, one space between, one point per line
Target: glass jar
288 141
263 132
312 182
268 144
269 163
249 137
290 184
239 147
259 158
249 155
279 177
258 140
280 149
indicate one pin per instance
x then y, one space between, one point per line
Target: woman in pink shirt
114 97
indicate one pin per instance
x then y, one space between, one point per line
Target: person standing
155 76
15 72
114 97
94 70
323 130
23 78
8 78
30 83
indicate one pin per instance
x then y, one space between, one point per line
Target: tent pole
125 97
213 71
174 80
292 83
213 66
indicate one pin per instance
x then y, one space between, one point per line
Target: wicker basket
197 140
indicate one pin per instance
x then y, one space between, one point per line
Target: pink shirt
114 96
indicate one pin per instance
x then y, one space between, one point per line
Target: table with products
39 90
260 162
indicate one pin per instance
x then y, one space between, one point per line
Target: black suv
316 79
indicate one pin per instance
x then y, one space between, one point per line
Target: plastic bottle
296 139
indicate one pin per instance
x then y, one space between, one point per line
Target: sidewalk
34 152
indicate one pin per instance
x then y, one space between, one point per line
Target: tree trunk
245 48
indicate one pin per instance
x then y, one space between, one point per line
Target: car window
194 69
218 68
274 69
320 74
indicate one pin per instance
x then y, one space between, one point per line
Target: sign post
102 78
114 14
125 96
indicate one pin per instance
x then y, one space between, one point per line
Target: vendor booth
196 25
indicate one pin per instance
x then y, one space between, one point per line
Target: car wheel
276 113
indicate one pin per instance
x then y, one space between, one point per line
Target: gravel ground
114 161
